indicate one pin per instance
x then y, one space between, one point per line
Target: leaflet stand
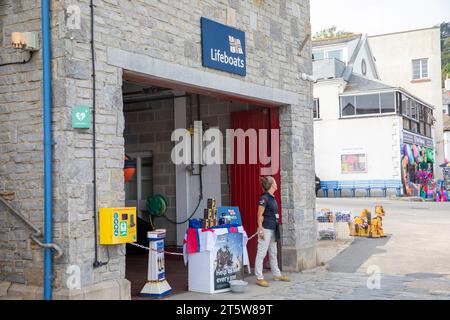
157 285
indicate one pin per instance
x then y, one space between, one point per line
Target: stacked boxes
210 218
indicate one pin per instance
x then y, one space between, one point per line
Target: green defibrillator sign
81 117
123 229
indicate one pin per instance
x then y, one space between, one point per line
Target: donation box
117 225
211 271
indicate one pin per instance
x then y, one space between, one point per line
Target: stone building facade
135 36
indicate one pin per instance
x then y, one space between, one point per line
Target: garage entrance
151 113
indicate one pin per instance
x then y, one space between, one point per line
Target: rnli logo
235 45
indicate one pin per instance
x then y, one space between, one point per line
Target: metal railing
37 232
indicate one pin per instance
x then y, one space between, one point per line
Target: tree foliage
331 32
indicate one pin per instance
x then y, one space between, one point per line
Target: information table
215 257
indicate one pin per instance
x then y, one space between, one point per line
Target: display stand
210 271
157 285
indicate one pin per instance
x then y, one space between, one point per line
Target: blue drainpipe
47 102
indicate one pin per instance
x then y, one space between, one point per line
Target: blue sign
232 213
223 47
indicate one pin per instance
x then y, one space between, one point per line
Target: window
353 163
318 55
417 117
428 130
368 104
446 109
335 54
420 69
387 102
406 124
348 106
316 109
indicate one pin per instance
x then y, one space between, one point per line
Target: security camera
308 77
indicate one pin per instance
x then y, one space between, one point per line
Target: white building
446 108
359 121
412 60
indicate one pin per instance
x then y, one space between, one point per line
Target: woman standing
268 232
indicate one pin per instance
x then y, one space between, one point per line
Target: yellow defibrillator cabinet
117 225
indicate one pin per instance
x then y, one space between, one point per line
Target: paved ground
418 238
320 284
411 263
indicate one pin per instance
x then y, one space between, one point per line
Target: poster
353 163
228 255
160 260
232 213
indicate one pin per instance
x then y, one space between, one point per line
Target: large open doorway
151 114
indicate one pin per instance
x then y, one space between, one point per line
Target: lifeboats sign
223 47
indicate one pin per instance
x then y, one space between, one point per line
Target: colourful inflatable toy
415 151
410 155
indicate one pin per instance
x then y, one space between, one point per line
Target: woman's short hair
266 182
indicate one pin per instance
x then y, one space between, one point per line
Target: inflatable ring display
129 168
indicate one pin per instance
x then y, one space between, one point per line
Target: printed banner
228 253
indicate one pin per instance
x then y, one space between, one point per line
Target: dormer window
320 54
335 54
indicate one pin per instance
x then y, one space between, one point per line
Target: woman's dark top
270 211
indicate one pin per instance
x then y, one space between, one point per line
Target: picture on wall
354 163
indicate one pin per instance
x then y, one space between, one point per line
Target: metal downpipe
47 102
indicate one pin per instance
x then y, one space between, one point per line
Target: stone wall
21 157
150 130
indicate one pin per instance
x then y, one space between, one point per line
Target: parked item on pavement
367 225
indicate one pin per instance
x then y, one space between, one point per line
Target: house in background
358 128
412 60
446 108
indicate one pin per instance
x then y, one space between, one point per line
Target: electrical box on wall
117 225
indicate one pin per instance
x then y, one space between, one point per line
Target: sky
378 16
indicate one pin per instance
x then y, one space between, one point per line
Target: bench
363 185
367 185
377 184
329 185
346 185
395 184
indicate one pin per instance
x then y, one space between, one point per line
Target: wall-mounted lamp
308 77
25 41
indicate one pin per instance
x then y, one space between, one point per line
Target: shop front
417 159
